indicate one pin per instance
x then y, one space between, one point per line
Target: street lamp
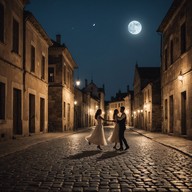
180 77
78 82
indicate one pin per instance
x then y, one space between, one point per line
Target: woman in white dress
114 137
97 136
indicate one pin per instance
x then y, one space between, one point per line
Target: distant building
121 99
61 87
96 93
147 98
176 69
152 105
88 100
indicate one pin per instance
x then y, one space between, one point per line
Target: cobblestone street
70 164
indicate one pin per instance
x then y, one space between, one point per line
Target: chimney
127 88
58 38
86 83
103 87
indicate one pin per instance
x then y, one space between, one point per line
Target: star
93 24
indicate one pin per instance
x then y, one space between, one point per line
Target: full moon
134 27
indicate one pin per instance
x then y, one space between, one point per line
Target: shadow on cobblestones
110 154
83 154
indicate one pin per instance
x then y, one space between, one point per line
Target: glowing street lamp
78 82
180 77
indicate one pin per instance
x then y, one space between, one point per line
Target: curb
163 143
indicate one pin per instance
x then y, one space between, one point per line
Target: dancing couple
98 137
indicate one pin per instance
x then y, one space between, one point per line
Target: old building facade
11 65
152 106
147 98
95 98
61 87
176 69
35 77
23 83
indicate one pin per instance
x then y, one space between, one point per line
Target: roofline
30 17
171 11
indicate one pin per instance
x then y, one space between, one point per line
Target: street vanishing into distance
70 164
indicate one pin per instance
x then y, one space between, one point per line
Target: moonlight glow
134 27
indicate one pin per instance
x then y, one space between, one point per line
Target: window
2 100
51 74
64 110
64 71
43 67
183 38
32 58
15 36
165 59
171 52
149 117
165 108
1 23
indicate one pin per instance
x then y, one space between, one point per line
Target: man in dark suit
122 127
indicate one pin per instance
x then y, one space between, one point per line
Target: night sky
96 34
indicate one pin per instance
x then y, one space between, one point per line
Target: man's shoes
126 147
98 147
89 143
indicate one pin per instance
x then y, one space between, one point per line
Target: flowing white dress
114 137
97 136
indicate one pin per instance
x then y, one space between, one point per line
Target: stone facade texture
17 81
61 87
176 69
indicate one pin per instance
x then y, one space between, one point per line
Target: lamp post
75 115
78 82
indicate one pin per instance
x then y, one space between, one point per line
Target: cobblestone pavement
70 164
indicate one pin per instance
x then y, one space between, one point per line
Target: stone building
146 80
23 72
11 68
61 87
121 99
87 101
35 77
96 93
152 106
176 69
95 98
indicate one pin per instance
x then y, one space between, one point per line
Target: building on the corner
61 87
176 69
95 99
146 108
11 68
23 75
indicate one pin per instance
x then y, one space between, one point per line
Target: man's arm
122 117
